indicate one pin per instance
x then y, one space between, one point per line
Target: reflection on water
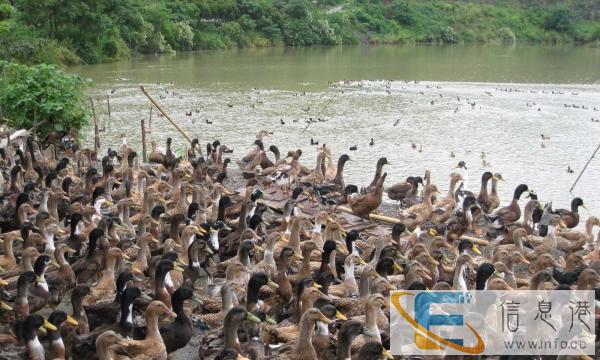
465 107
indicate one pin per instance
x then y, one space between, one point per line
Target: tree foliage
43 94
91 31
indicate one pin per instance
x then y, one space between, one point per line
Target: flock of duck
107 257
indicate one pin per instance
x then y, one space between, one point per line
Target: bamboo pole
108 105
475 240
166 115
96 134
143 141
392 220
383 218
150 118
585 167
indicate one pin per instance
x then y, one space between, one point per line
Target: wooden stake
108 104
150 118
96 134
166 115
143 141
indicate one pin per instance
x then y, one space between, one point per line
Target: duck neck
378 250
459 279
35 349
364 285
221 212
589 226
527 216
483 189
252 296
177 304
339 175
268 256
126 314
551 233
231 337
305 267
245 257
49 237
152 327
304 347
53 207
344 346
452 188
427 198
187 241
494 190
518 240
371 319
349 278
332 263
21 214
295 235
44 202
8 249
227 299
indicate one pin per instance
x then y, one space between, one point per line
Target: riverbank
31 33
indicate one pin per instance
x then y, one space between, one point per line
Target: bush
403 13
506 36
447 35
54 99
5 11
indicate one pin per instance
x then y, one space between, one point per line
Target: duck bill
201 232
71 321
3 282
252 317
325 319
272 284
170 313
126 257
180 263
270 320
340 316
475 249
298 256
316 286
432 232
48 325
257 247
4 306
284 240
387 354
177 268
209 251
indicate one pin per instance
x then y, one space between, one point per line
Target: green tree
43 93
560 19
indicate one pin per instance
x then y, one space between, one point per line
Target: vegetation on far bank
92 31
